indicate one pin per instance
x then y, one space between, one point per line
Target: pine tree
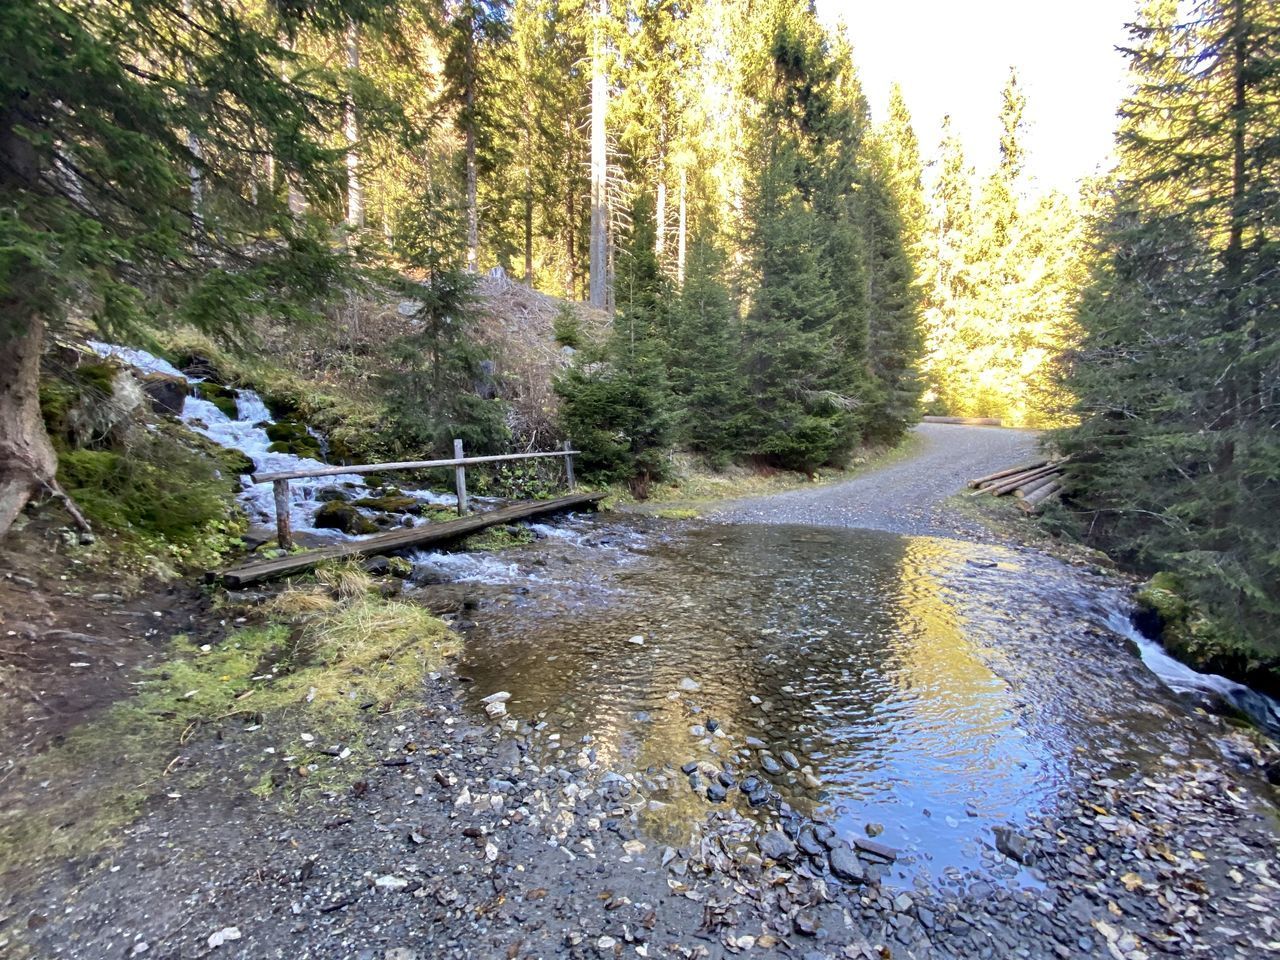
1175 459
903 171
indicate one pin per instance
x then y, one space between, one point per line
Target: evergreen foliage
1176 458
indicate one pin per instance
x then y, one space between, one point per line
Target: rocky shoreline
462 842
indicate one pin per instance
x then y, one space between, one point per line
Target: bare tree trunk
660 216
599 285
681 238
28 463
351 127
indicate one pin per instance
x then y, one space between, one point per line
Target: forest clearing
559 478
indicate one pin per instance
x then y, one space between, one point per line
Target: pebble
776 845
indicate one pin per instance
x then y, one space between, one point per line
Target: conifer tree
95 161
1176 455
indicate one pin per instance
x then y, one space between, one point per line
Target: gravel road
908 496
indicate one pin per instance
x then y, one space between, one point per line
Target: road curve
908 496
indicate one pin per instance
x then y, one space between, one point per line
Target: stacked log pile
1033 484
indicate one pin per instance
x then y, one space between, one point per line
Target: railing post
568 466
283 533
460 479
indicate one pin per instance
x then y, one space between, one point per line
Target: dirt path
904 497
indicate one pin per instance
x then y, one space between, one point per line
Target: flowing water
247 433
931 687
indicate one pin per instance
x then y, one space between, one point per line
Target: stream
919 690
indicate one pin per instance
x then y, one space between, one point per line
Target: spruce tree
108 113
1175 459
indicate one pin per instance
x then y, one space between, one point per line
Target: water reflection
850 659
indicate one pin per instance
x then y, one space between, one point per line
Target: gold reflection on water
941 670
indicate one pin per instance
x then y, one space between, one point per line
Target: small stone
769 765
716 793
689 685
758 798
390 882
502 696
846 866
637 640
1012 844
874 829
790 760
496 709
775 845
902 903
222 936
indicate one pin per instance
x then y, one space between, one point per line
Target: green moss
159 487
224 398
339 515
399 567
500 538
320 675
678 513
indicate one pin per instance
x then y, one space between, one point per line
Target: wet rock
716 793
789 759
337 515
776 845
809 844
689 685
1013 845
689 768
330 494
759 797
769 765
845 866
876 850
165 394
749 784
874 829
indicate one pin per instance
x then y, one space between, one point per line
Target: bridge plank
430 533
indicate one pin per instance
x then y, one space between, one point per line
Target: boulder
329 494
166 394
337 515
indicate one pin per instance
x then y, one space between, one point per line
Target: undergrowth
289 697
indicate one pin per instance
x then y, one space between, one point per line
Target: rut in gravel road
907 497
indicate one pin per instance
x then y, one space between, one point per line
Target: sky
952 56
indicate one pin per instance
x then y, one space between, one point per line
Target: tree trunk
660 218
681 238
469 110
27 460
351 128
599 293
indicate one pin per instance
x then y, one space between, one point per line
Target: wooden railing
280 481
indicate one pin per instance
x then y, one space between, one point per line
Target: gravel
908 496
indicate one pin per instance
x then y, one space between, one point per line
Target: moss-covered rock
224 398
289 436
391 504
165 394
1168 611
338 515
330 494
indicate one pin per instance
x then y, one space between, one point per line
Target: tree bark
599 286
681 238
28 463
469 108
351 128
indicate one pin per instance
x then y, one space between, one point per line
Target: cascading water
247 433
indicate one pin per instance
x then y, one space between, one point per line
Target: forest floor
453 838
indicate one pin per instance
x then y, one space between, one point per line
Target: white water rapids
247 434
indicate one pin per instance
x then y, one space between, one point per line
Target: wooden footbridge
425 535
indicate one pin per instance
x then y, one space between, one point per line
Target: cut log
1008 472
1042 496
969 421
1034 485
1002 487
